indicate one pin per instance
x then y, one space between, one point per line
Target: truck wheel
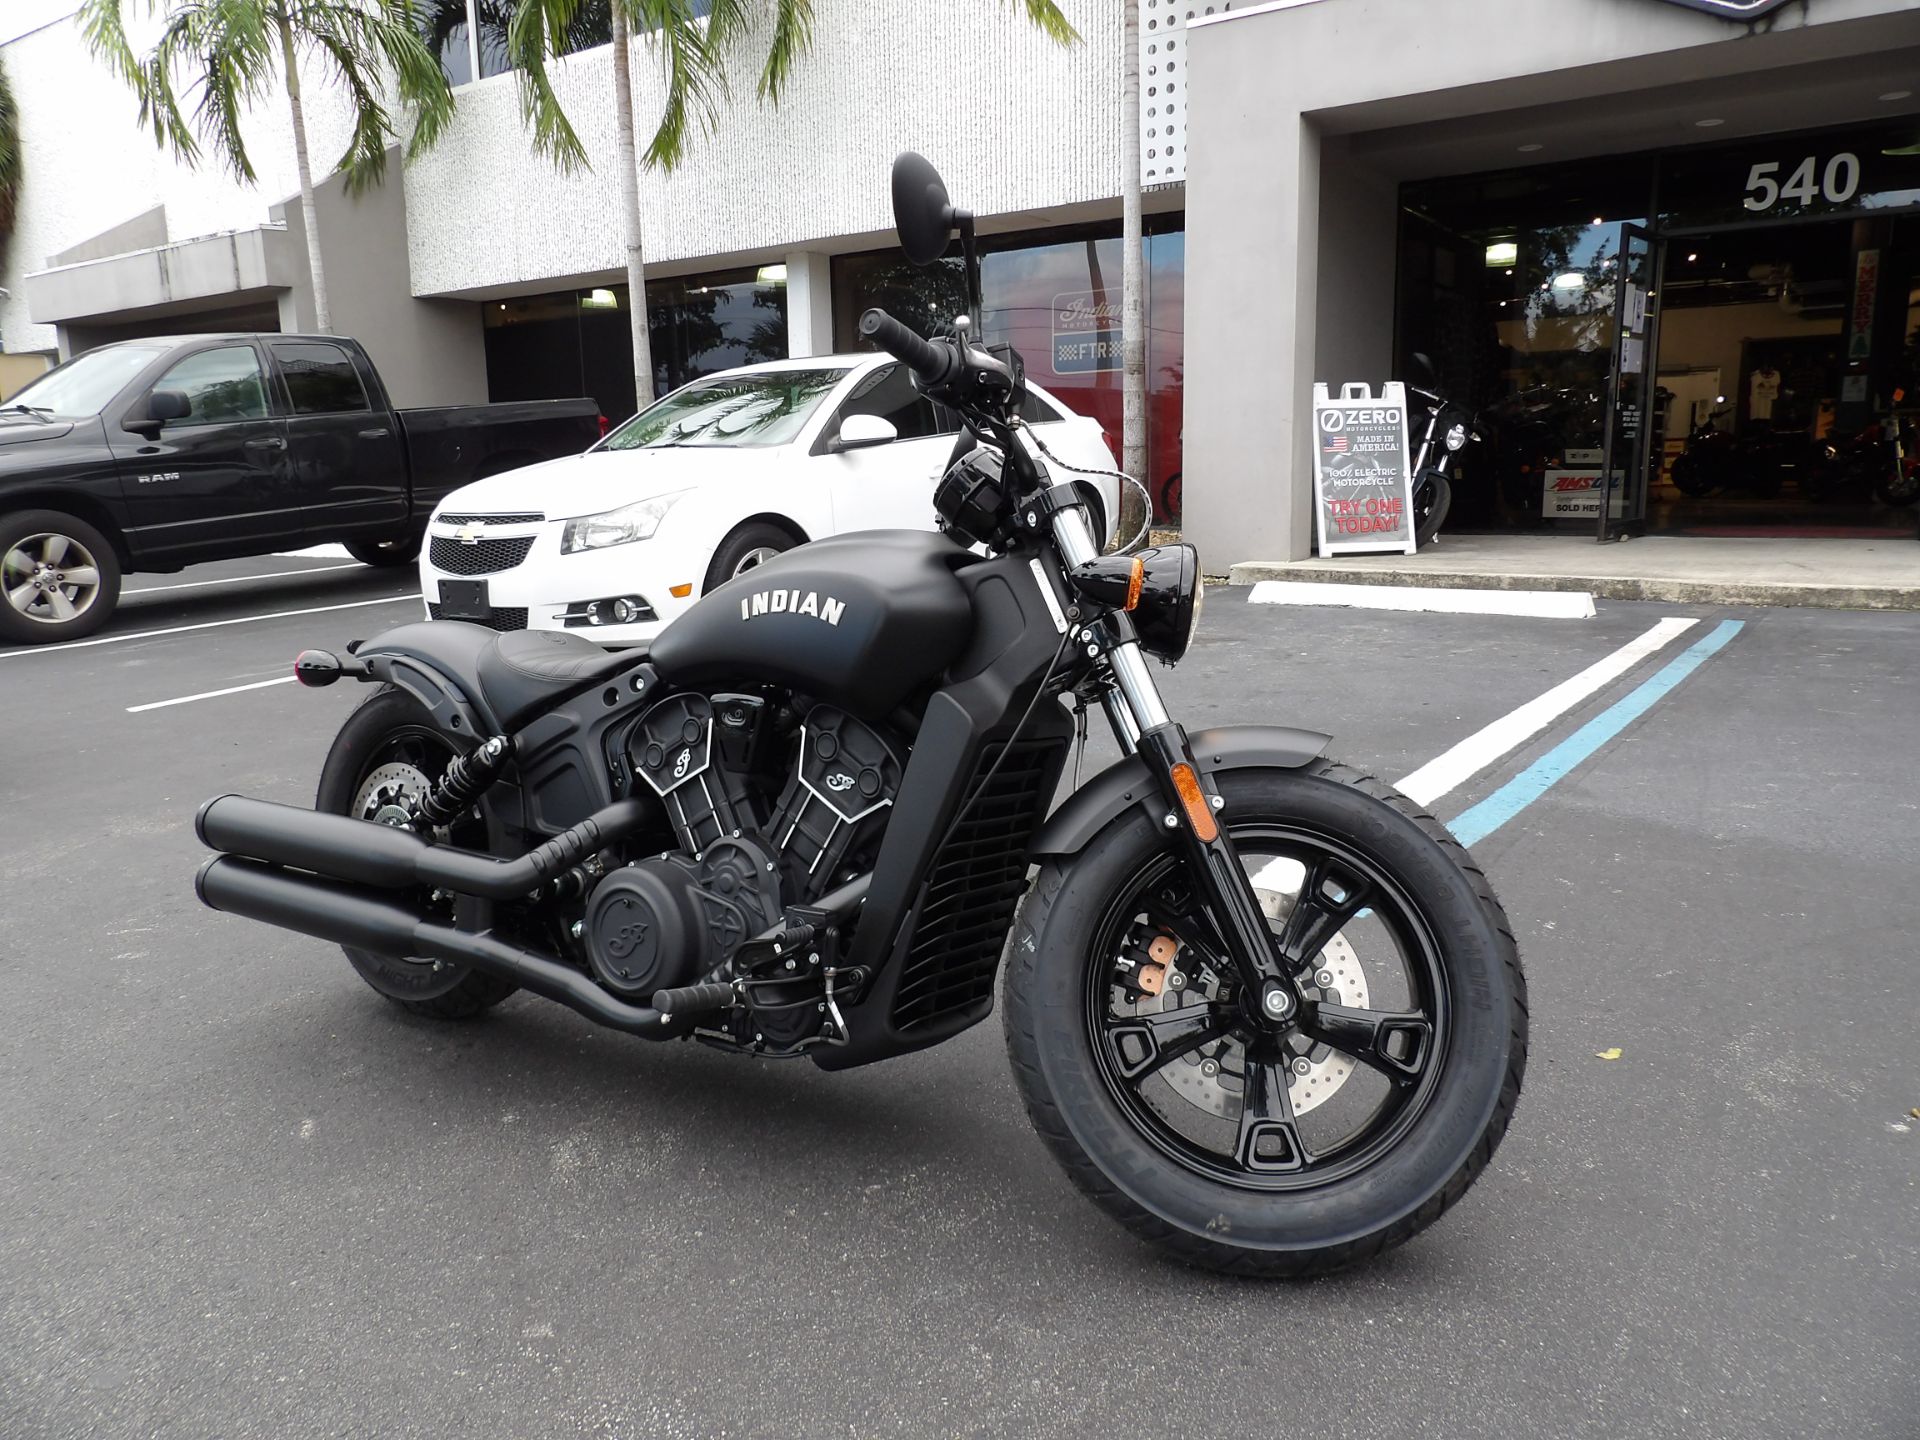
59 578
386 554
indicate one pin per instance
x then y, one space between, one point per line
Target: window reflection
575 342
1058 302
443 25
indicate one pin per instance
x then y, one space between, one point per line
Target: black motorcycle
1448 429
1264 1011
1761 462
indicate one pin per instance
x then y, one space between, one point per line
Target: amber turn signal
1193 800
1134 582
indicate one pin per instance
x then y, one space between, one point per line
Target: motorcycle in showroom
1448 429
1263 1010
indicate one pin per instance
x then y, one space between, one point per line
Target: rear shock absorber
468 777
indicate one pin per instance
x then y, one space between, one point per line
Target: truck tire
59 578
386 554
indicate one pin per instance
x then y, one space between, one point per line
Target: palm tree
232 51
10 166
694 38
1133 321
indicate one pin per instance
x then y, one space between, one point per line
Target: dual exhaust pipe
350 861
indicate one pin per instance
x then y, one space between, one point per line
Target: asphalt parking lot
245 1197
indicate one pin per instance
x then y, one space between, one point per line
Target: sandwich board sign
1362 494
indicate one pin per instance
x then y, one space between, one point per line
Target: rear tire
1387 1183
392 730
386 554
59 578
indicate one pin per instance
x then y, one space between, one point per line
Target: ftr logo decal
792 602
1732 9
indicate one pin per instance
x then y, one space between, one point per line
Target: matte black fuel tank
859 620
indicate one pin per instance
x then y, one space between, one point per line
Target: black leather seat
524 670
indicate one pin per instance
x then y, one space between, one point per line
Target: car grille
489 557
973 886
489 519
498 619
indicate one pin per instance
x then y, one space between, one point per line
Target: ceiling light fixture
1534 145
1897 95
1708 124
1692 255
1502 252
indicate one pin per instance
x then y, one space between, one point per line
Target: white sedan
705 484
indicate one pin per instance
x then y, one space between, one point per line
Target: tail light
1113 447
605 426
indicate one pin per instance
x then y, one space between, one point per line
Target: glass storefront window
580 342
1055 298
1508 284
446 24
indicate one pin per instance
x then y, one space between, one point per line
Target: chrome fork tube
1143 704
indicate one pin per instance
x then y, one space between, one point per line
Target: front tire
1185 1169
1430 505
747 548
59 578
386 753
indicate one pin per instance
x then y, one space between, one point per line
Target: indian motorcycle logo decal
793 602
1732 9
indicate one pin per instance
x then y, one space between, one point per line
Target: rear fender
1111 793
436 663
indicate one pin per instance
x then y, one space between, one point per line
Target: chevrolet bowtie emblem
469 534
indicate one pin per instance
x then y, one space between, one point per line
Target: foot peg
692 1000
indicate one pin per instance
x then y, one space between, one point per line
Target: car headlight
616 527
1160 588
1456 435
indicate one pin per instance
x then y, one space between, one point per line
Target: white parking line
208 695
237 579
1543 604
1454 767
203 625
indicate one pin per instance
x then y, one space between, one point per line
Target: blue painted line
1475 823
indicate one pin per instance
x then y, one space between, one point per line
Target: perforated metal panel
1163 86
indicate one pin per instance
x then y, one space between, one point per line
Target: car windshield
85 384
767 408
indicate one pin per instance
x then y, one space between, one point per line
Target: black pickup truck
156 454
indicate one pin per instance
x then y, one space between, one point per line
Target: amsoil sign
1362 497
1570 494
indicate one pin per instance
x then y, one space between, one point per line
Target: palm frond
1051 21
691 69
792 38
533 38
375 41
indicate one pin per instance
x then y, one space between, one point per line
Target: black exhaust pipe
328 910
346 849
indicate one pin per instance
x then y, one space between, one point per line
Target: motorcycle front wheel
1209 1135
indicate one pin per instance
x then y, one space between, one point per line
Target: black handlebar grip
931 362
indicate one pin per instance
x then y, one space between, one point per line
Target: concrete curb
1667 590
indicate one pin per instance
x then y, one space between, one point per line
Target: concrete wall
430 352
1269 214
90 167
1014 122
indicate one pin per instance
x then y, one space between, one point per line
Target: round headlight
1456 435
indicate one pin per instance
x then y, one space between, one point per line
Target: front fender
1105 797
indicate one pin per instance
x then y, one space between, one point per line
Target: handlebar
933 361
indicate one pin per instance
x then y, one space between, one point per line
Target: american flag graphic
1337 444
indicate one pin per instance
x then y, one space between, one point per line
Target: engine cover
667 922
645 930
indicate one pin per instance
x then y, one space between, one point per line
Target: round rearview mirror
922 213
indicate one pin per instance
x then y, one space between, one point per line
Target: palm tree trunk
322 317
1133 336
630 208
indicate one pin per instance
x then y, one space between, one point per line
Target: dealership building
1609 223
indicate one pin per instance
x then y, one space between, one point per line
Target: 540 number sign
1835 183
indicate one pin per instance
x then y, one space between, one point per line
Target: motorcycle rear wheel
366 776
1137 1098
